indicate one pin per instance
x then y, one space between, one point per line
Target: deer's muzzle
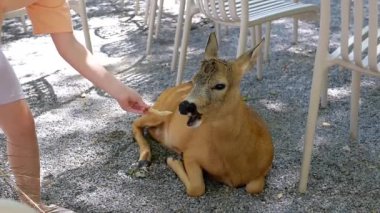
186 107
190 109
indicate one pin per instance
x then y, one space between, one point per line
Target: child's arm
87 65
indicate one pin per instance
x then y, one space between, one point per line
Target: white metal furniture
150 19
185 22
243 14
358 52
79 6
137 5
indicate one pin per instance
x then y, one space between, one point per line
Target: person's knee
16 120
22 145
26 127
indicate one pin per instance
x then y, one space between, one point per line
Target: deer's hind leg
147 120
256 186
191 175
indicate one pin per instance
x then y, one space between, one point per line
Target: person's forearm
86 64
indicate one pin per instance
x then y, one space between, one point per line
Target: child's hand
131 101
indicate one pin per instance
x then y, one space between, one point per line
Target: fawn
211 126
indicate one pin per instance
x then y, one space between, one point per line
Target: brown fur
232 144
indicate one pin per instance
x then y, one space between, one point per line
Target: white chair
79 7
150 16
150 19
243 14
191 10
358 53
137 5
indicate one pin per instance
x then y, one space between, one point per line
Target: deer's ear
212 47
248 59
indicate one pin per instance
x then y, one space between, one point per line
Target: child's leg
17 122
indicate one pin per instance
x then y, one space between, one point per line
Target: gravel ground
87 147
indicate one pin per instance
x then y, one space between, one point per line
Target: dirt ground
87 147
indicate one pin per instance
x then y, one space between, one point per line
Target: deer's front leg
190 173
147 120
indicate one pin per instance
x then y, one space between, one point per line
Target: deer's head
216 82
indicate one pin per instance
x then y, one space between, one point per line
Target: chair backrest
224 10
359 34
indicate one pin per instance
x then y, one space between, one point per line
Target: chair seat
261 11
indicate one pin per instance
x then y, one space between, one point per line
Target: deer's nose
186 107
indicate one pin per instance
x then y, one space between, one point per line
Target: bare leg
18 125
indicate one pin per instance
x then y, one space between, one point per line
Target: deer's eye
219 86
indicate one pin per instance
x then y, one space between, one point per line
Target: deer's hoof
139 169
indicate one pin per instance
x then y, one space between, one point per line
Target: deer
209 124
